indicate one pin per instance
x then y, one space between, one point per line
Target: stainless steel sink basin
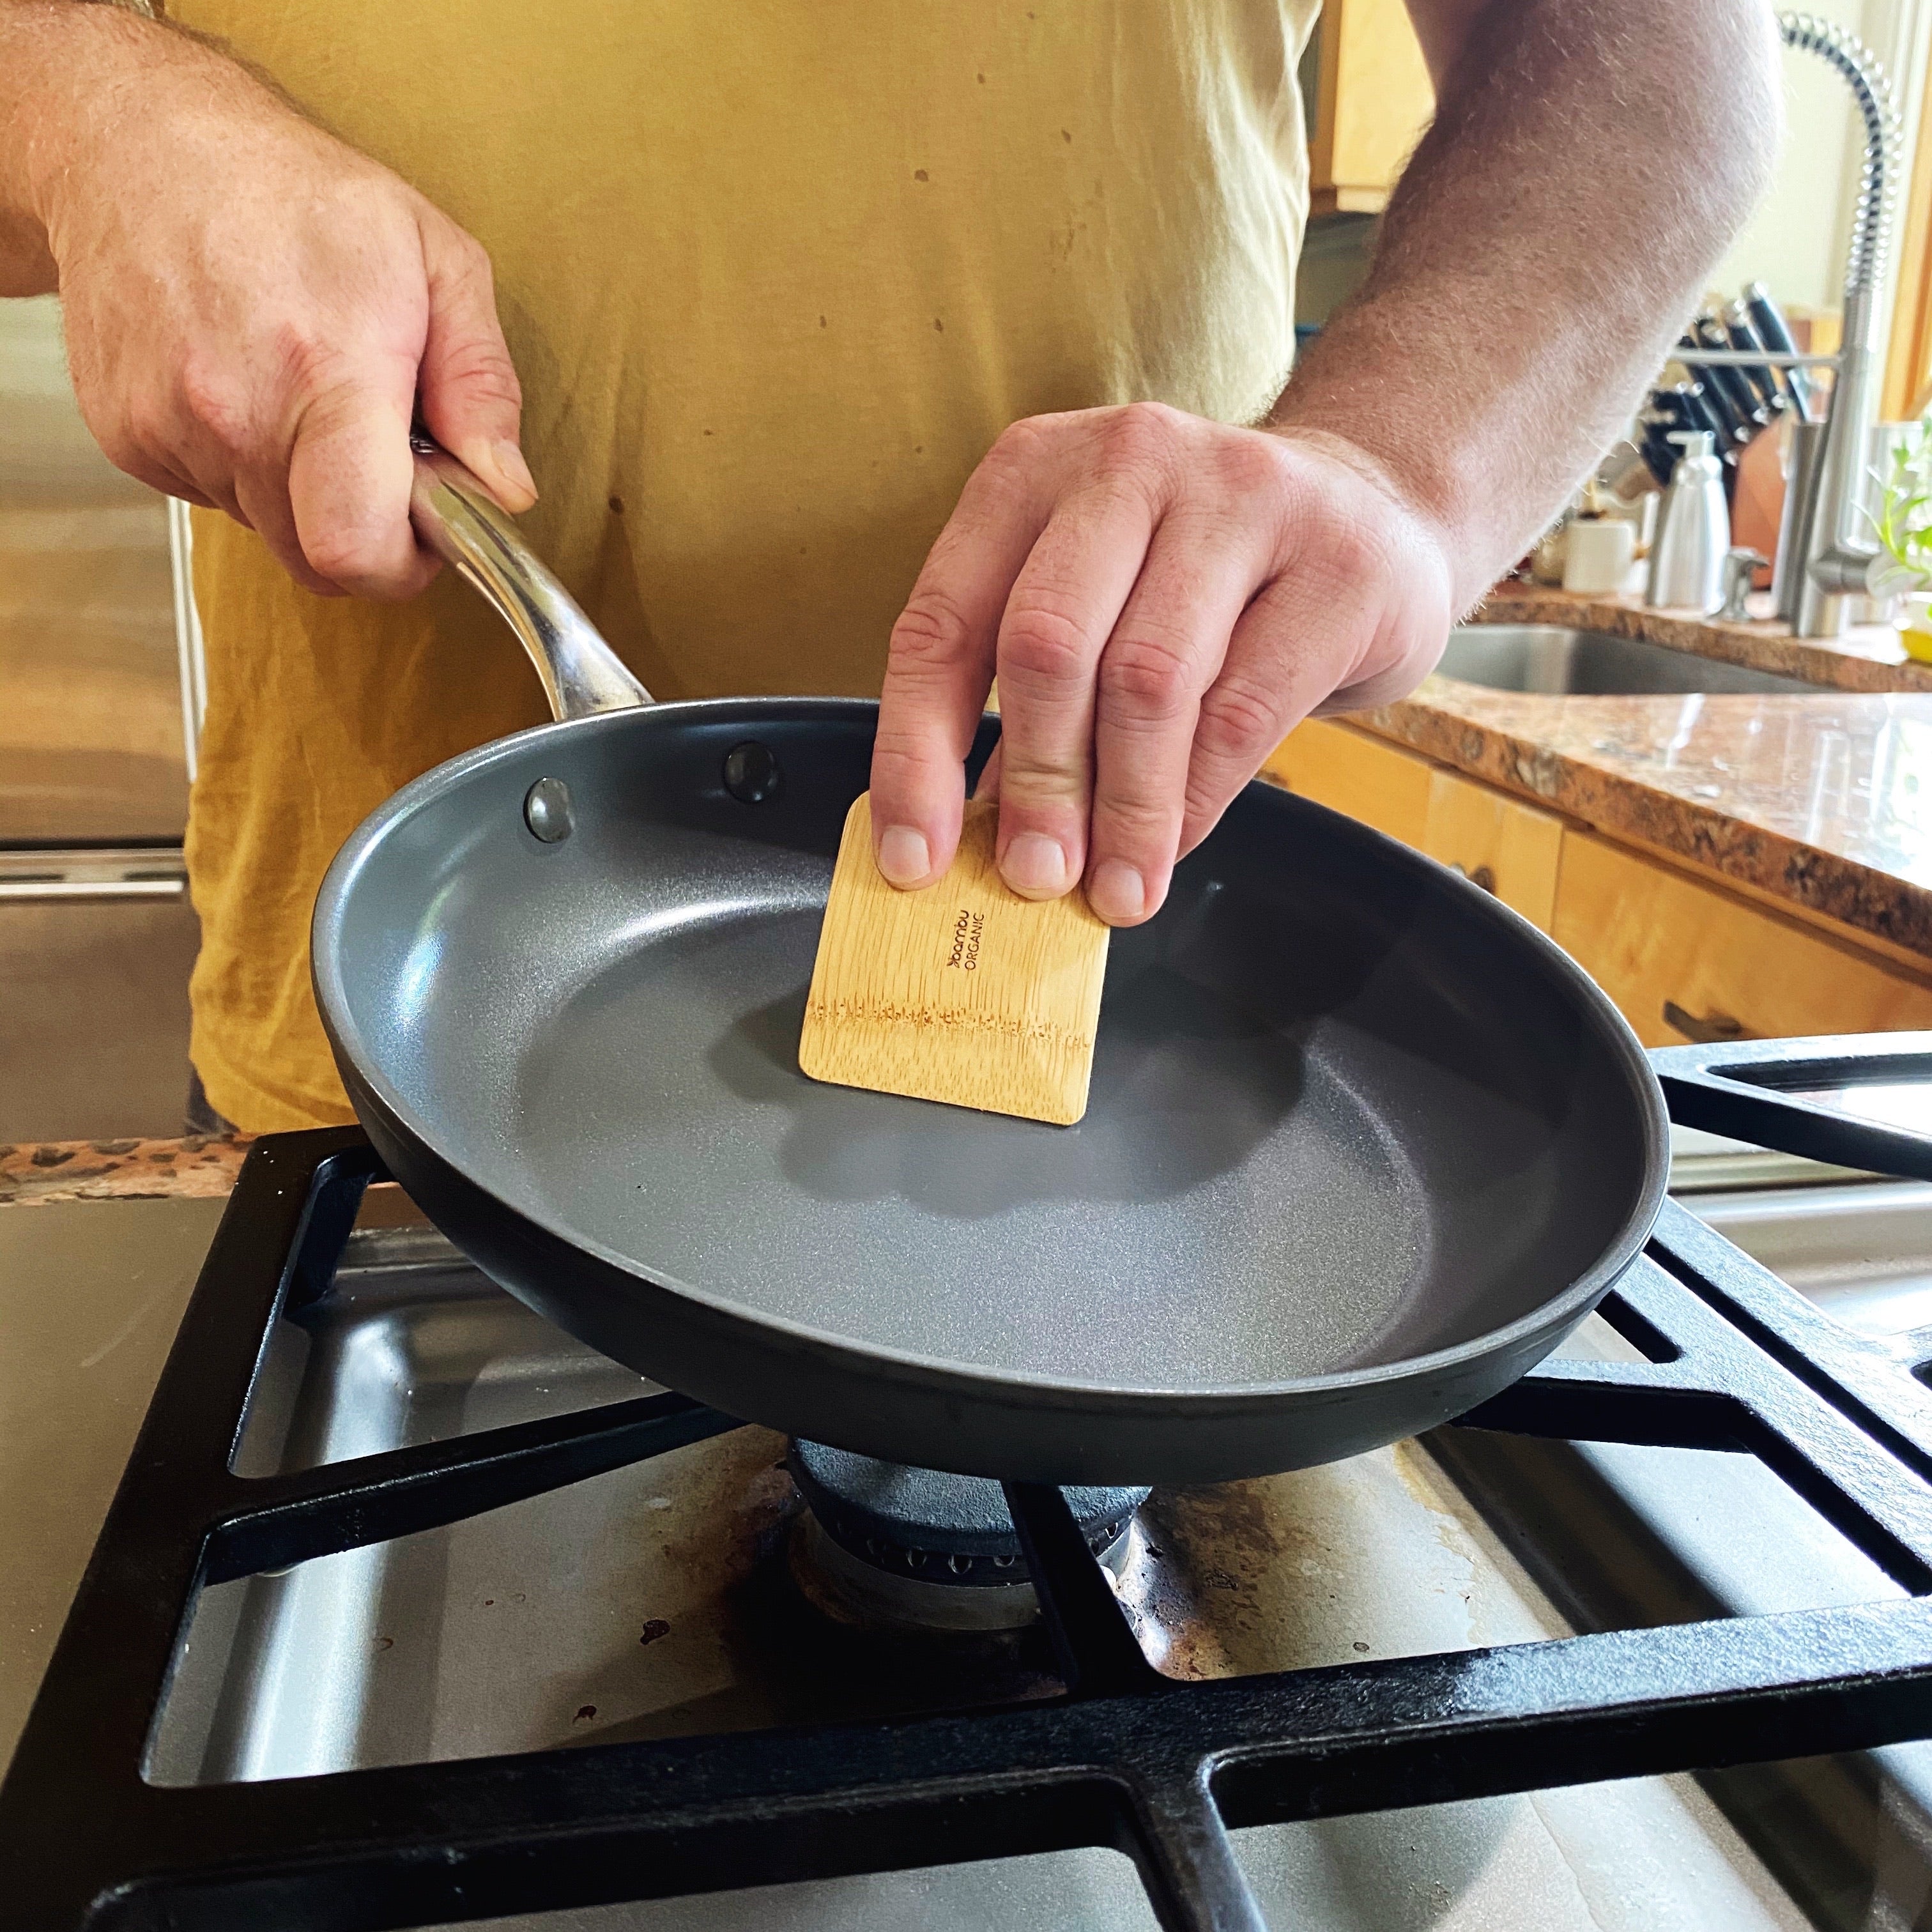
1553 659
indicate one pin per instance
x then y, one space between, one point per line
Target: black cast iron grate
1159 1768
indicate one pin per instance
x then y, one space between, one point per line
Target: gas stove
411 1611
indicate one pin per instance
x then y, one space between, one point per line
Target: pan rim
1553 1316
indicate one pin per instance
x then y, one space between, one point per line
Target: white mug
1600 550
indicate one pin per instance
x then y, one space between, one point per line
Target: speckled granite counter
1868 658
1824 802
49 1170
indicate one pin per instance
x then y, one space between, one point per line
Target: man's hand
1163 598
253 310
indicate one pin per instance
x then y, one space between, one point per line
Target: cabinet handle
1484 876
1712 1027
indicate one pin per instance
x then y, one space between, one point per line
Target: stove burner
921 1548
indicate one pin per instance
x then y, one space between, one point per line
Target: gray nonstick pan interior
1355 1131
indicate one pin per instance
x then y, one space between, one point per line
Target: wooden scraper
962 991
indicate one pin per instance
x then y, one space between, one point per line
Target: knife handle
1767 319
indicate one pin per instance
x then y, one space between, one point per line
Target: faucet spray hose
1878 186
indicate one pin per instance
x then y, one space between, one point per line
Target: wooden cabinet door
1371 99
1684 960
1365 777
1509 848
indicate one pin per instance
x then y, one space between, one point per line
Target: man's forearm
1589 161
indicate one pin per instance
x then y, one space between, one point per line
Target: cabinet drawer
1362 776
1683 960
1508 848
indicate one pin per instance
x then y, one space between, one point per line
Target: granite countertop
1823 801
1826 801
34 1172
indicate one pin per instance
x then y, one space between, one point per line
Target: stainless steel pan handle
455 517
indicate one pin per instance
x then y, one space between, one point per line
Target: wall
1796 243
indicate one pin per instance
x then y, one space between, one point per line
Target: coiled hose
1878 186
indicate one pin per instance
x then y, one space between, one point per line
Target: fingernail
515 470
904 857
1035 866
1117 892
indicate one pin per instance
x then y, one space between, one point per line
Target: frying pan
1362 1145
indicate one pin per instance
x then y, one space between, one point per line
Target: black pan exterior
1363 1146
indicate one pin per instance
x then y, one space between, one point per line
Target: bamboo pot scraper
962 991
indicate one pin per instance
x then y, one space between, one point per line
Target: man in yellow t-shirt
855 345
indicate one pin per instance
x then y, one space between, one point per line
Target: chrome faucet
1830 538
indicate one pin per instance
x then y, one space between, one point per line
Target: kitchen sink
1557 661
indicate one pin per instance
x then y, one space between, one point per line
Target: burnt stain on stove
655 1627
1244 1562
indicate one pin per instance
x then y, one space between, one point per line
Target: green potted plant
1903 523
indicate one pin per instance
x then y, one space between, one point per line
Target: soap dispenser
1693 531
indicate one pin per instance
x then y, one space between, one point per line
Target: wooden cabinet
1508 847
1367 778
1683 959
1369 100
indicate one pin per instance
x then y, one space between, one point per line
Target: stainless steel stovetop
679 1597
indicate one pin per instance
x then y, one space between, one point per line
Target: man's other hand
254 310
1163 598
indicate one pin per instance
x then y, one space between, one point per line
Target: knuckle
1202 806
1039 790
1006 470
1246 465
1142 450
1238 719
484 372
1018 441
349 553
1147 675
900 762
309 367
455 254
931 634
1148 419
1041 645
1145 431
1134 821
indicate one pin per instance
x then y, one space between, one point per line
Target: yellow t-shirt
774 274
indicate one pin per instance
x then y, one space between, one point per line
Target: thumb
471 399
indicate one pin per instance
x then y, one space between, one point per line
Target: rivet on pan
752 773
547 811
